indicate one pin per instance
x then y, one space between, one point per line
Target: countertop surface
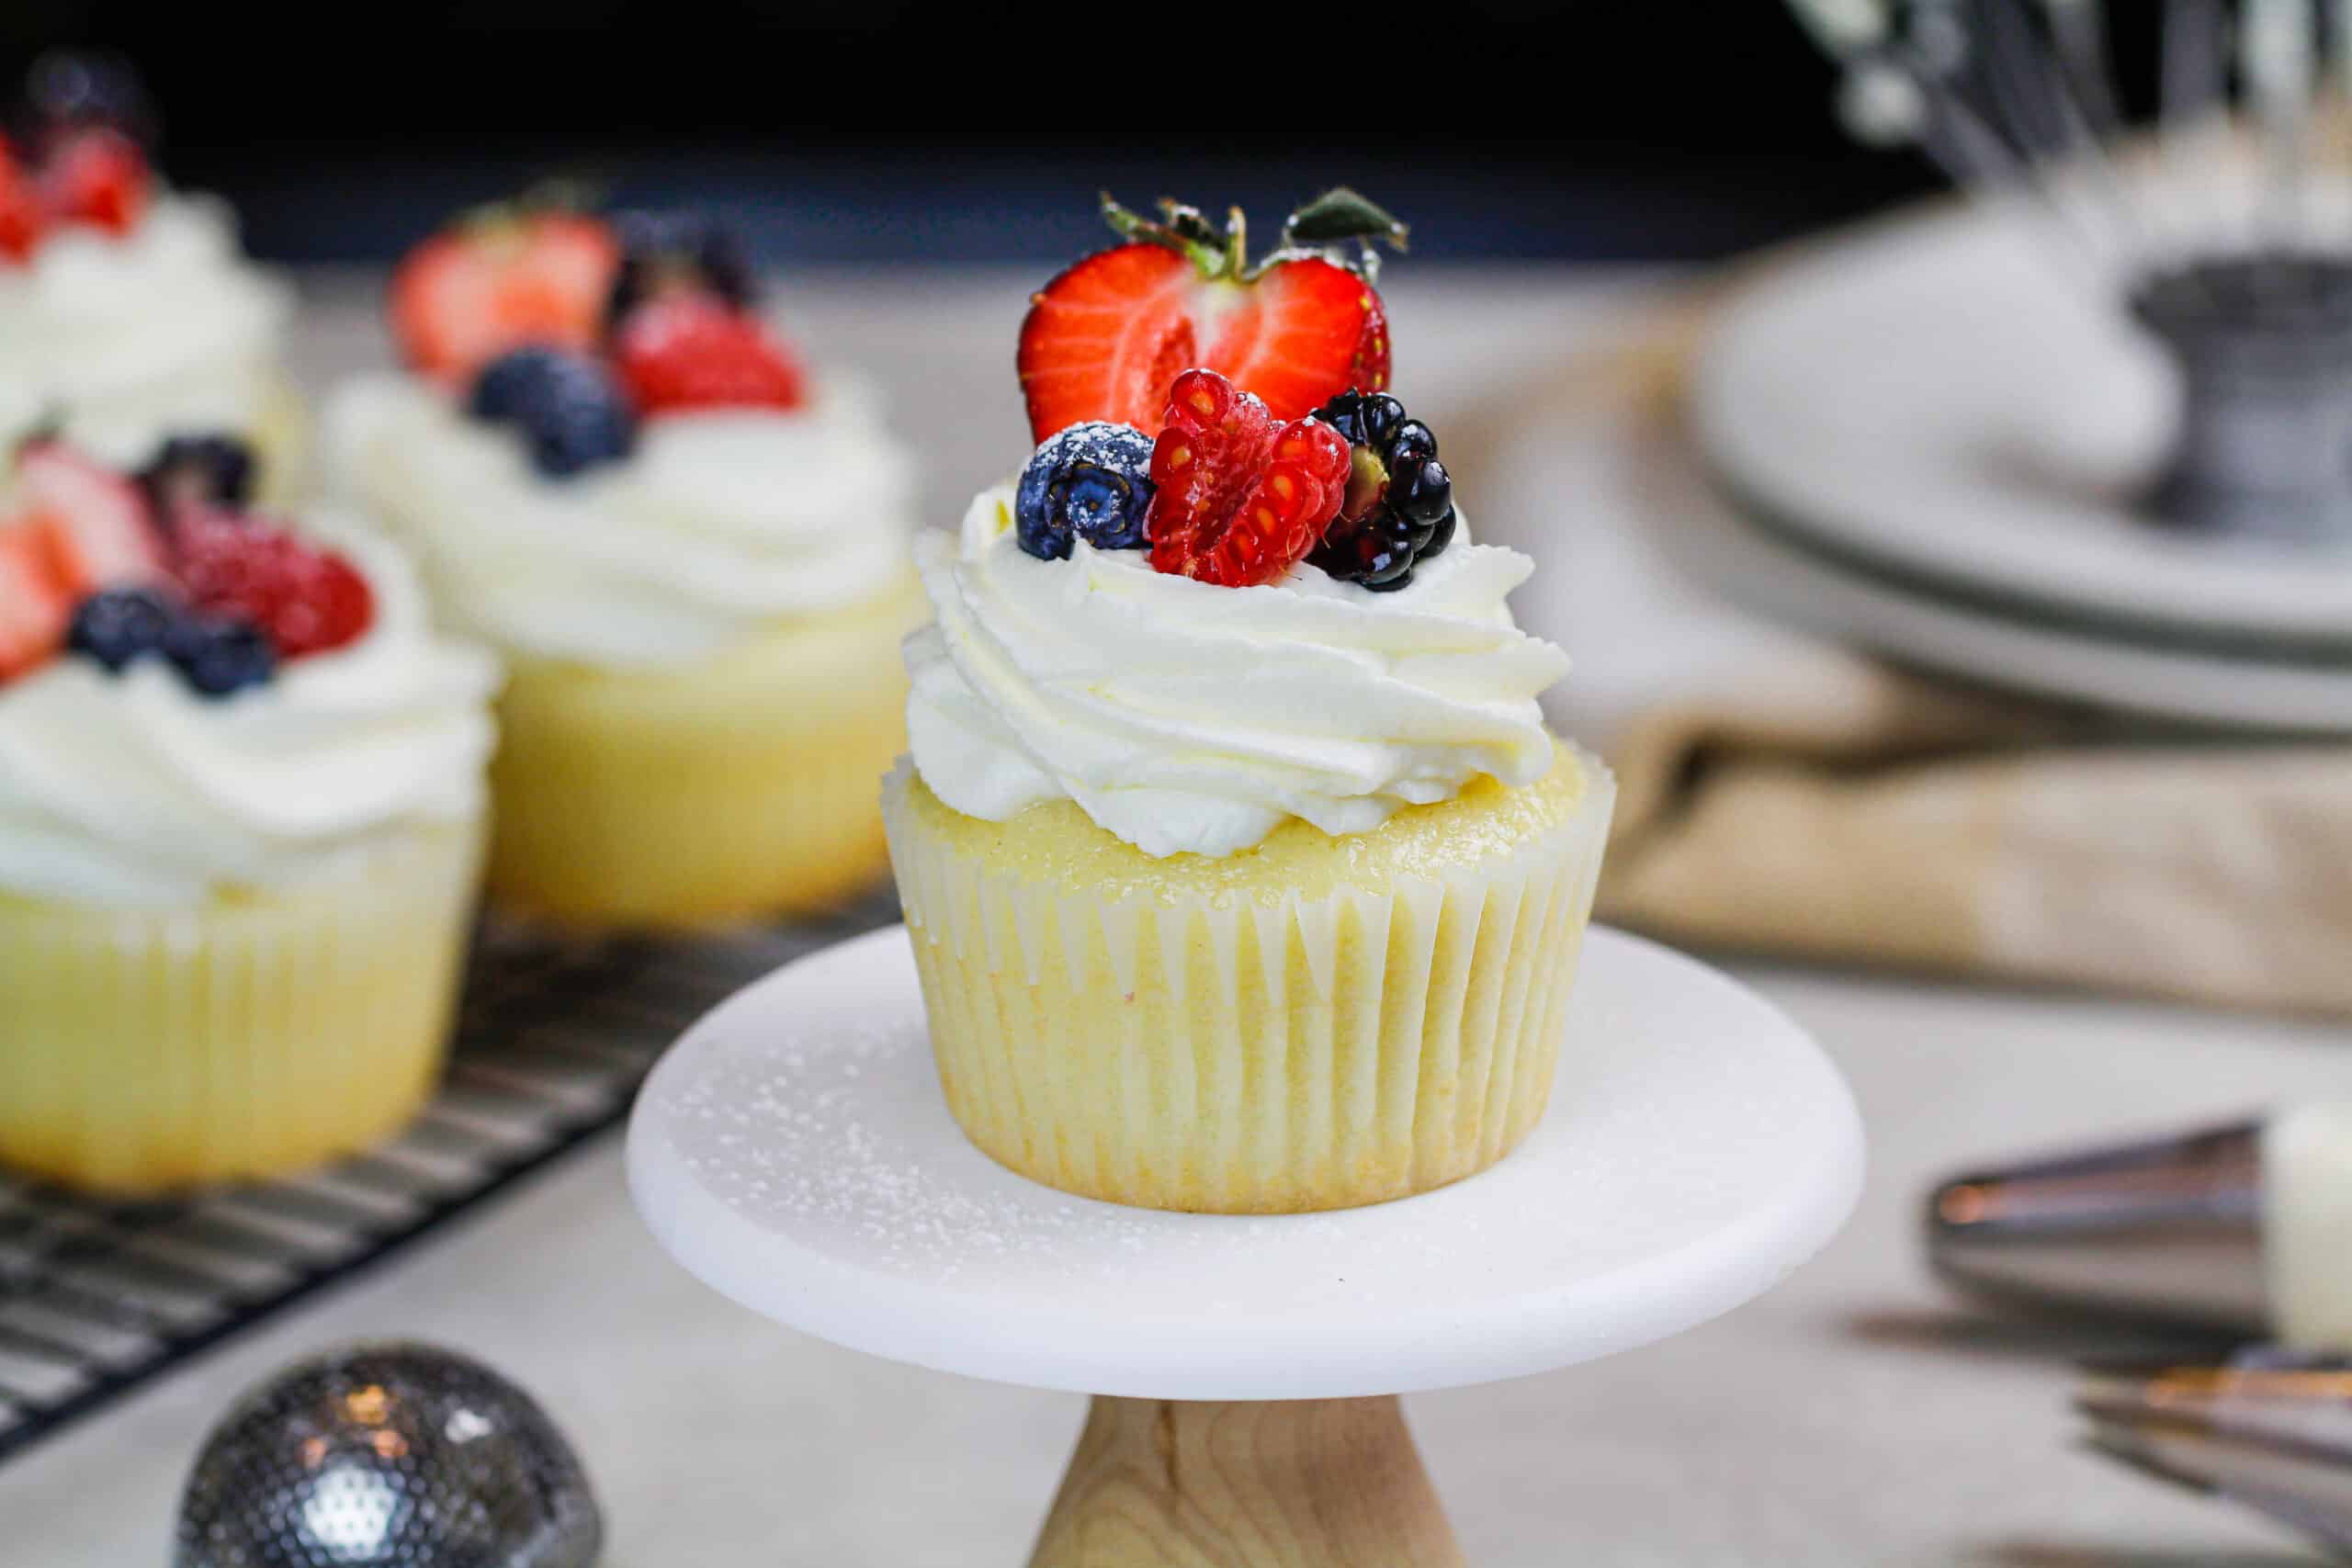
1855 1415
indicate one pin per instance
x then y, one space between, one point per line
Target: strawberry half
1106 338
22 214
35 608
95 522
490 284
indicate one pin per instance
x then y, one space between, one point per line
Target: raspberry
304 599
695 351
1240 500
96 176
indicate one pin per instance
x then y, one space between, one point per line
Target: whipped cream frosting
720 523
133 337
1181 715
133 789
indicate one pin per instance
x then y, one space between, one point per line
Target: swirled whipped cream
1181 715
718 524
132 789
133 337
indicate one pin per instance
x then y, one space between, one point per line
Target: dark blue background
910 131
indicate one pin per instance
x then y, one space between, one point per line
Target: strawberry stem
1338 226
1186 233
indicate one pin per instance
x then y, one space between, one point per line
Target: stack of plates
1932 434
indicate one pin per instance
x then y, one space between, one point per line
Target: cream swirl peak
719 523
136 335
1182 716
133 788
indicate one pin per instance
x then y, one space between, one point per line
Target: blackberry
120 626
199 470
662 250
1093 480
572 412
219 655
1399 506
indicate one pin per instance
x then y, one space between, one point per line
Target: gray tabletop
1852 1416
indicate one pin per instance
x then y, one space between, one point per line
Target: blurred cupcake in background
241 814
692 550
128 313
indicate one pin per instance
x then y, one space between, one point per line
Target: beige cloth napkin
1834 807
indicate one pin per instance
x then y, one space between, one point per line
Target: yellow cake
737 785
1313 1024
254 1033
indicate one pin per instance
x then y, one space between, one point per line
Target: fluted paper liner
729 787
145 1050
1248 1055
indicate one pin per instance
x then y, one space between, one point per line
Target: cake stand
793 1151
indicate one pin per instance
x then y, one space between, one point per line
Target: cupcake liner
147 1051
733 787
1238 1053
281 438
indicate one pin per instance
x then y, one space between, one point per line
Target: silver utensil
2162 1231
2269 1429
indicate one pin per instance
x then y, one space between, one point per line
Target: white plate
1940 397
794 1152
1701 532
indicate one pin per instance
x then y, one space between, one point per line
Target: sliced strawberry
99 531
1308 332
1106 337
96 175
35 607
471 292
22 216
1103 340
1240 498
690 350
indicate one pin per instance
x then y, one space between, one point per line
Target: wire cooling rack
96 1297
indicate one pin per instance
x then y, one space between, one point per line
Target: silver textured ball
387 1456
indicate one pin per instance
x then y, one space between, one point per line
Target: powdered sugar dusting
810 1112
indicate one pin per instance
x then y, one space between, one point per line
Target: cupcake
691 552
128 314
241 814
1243 873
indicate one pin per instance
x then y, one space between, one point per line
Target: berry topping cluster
573 328
75 154
1232 460
165 564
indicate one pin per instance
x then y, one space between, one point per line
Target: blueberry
505 385
1093 480
573 413
662 250
66 89
218 656
199 470
120 626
